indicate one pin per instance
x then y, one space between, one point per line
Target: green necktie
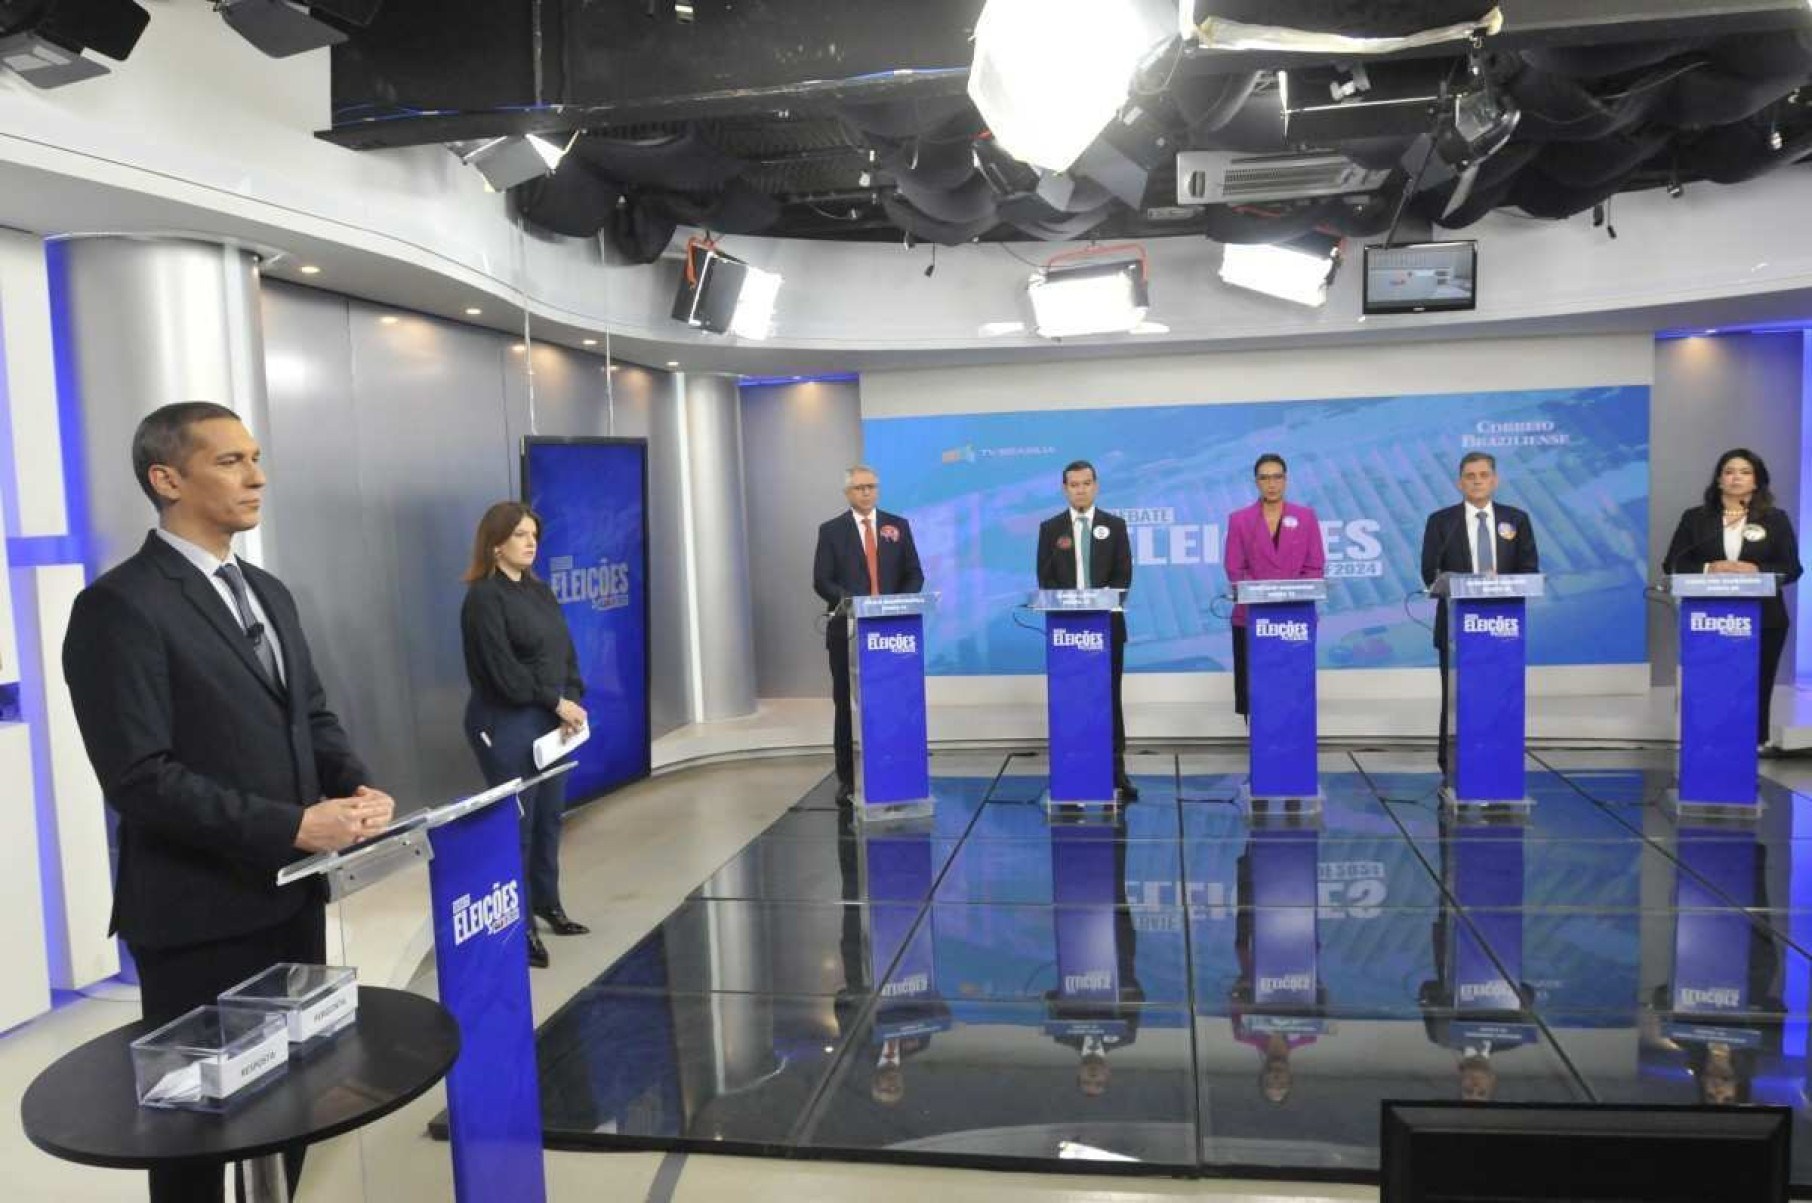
1082 541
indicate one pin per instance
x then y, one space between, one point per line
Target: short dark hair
1079 465
1270 457
1473 457
163 438
1761 501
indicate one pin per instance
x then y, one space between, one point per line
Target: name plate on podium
1722 584
1059 600
1266 593
1486 586
890 605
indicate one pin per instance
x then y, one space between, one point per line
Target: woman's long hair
494 529
1760 502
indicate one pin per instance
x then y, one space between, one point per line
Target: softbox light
721 294
1089 298
1298 271
44 42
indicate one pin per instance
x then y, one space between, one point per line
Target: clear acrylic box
209 1059
315 1002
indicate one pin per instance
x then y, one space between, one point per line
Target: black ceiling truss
853 130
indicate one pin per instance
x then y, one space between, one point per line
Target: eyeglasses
865 488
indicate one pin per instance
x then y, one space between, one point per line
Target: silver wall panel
1712 394
797 439
722 622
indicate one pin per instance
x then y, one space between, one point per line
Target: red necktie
874 556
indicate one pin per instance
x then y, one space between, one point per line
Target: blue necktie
1481 546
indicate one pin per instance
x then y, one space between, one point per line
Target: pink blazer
1250 556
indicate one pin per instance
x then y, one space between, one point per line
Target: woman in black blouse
1738 529
525 682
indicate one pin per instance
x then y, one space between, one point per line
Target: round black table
84 1107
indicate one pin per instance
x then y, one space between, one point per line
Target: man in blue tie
1478 535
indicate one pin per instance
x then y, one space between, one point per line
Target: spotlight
281 28
721 294
1049 74
1297 271
1476 128
1102 297
43 43
511 160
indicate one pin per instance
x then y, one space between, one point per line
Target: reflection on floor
1192 991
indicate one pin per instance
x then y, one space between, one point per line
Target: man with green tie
1087 548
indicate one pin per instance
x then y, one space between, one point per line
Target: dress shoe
846 795
537 951
560 923
1128 791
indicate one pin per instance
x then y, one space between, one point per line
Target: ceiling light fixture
1298 271
46 49
1096 291
281 28
1049 74
588 342
390 319
510 160
721 294
473 311
309 269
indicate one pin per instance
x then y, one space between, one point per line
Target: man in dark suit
861 552
208 730
1086 548
1478 535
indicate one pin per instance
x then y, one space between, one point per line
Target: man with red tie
861 552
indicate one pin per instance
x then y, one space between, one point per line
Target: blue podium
887 666
1483 862
1487 631
481 957
1079 699
1720 629
1280 661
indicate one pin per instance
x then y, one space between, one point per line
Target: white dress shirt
1086 521
1733 539
209 566
1472 535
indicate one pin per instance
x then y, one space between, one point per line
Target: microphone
255 633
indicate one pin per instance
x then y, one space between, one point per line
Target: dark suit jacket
208 765
1110 563
1447 547
840 568
1699 539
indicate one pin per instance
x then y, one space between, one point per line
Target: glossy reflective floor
1187 990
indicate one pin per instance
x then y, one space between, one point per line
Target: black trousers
1446 701
843 736
1118 660
510 753
1774 642
1242 689
175 980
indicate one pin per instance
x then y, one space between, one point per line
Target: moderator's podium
887 661
1720 628
1280 649
1487 630
1079 693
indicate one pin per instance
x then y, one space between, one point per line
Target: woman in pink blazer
1270 540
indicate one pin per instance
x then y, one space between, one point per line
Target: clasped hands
335 823
1738 566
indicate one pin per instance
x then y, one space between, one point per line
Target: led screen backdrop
976 486
593 496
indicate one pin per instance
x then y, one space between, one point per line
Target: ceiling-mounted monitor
1421 277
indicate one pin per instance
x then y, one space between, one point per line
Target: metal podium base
1486 806
1728 812
893 812
263 1179
1265 805
1071 808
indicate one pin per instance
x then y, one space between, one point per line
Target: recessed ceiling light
588 342
390 319
473 311
611 367
519 347
673 363
309 269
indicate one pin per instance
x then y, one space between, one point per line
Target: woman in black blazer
525 682
1738 529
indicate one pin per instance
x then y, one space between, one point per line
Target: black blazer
1699 539
840 567
1110 563
1447 547
207 763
